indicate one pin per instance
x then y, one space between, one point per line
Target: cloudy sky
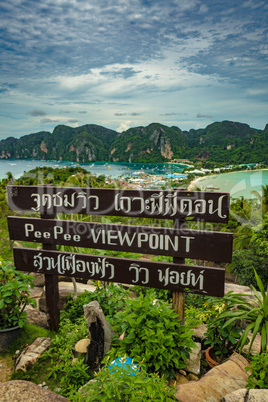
127 63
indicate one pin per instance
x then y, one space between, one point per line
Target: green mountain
226 141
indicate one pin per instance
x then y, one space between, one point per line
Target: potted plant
14 297
222 340
253 312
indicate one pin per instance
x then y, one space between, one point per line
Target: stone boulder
223 379
31 353
101 334
247 395
36 317
22 391
194 361
65 288
39 279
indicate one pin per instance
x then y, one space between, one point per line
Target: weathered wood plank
181 243
197 205
176 277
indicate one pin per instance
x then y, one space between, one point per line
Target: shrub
223 339
152 334
70 376
255 314
258 368
200 308
111 299
111 385
14 295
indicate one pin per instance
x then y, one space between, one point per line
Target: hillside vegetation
226 142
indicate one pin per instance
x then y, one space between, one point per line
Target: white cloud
123 126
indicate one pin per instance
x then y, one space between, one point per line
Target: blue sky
127 63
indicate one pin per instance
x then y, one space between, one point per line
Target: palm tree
10 178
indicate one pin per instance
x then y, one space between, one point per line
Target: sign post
178 297
177 241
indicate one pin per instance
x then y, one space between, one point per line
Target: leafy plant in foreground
223 339
14 295
71 376
255 313
258 368
111 299
118 385
152 334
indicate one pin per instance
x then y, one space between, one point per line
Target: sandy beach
194 183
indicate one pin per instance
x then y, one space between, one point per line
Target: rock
32 353
200 331
39 279
192 377
193 363
256 346
101 334
65 288
22 391
216 383
247 395
36 317
181 379
36 292
240 289
81 346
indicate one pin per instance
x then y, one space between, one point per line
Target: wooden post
178 297
52 290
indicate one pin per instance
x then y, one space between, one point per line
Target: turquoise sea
115 170
238 184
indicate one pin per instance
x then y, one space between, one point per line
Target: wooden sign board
185 243
178 204
176 277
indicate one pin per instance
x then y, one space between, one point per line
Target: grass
5 248
28 334
38 373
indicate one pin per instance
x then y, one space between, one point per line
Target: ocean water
115 170
238 184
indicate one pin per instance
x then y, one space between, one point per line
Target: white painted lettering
187 246
28 228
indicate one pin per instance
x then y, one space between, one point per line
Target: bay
238 184
18 166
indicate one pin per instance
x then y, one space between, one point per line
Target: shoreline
193 183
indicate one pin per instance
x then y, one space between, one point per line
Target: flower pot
210 360
8 336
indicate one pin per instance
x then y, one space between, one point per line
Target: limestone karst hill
229 142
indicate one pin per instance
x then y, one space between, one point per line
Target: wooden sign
178 204
178 242
184 243
201 280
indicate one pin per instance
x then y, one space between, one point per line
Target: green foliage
70 376
162 294
254 313
152 334
243 264
118 385
28 334
144 144
258 369
199 309
111 298
14 295
221 337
